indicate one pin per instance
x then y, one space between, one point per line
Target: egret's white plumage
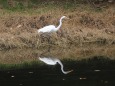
51 28
54 61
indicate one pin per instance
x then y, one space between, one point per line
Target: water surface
94 72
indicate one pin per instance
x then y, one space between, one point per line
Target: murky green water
92 72
36 77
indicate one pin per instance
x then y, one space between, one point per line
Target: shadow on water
97 71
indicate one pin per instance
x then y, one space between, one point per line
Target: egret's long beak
69 71
67 18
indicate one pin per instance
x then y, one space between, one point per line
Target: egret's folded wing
48 61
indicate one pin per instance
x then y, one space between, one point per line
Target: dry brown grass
17 56
84 28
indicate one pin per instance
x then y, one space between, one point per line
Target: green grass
24 65
96 62
18 5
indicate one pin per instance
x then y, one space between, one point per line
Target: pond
34 78
93 71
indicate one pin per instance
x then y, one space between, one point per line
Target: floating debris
82 78
30 72
12 76
97 70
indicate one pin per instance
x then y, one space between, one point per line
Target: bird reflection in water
54 61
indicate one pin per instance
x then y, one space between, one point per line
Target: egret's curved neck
62 67
60 24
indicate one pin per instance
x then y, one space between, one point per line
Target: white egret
54 61
51 28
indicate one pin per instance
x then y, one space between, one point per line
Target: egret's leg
49 48
42 37
49 39
45 37
49 42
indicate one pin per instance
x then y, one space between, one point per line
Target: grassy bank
94 63
18 29
89 31
20 56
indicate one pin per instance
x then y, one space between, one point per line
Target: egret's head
64 17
